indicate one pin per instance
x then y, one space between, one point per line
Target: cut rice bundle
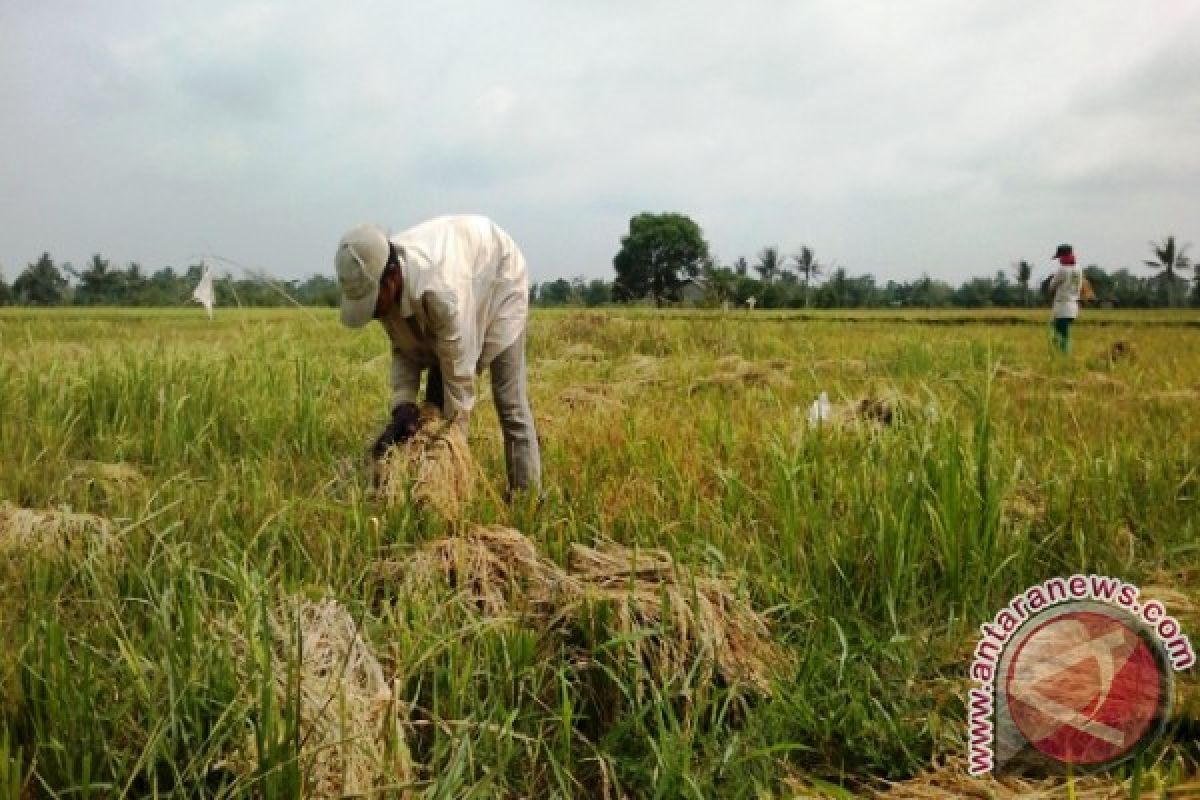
735 371
951 781
672 618
497 569
49 532
349 717
111 479
434 469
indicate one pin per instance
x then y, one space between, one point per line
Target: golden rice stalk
434 468
49 532
671 616
350 717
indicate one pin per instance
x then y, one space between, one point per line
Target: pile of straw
111 479
352 739
1024 504
1098 380
433 469
1120 351
951 781
872 411
583 398
495 569
582 351
855 365
736 371
673 618
52 533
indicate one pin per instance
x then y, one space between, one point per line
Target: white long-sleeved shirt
1066 284
464 299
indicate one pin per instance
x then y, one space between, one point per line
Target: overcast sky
952 137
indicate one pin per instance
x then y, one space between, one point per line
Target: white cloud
934 136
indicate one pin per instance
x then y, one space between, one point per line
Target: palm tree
1024 272
806 264
1171 261
770 264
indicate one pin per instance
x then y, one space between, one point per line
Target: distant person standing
1065 285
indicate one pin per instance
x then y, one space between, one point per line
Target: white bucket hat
361 257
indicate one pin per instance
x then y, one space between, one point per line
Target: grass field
875 552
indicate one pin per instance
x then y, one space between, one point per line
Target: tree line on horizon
664 260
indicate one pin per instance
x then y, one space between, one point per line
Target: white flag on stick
203 293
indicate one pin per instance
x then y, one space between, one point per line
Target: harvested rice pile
349 717
1024 504
1017 373
434 468
111 479
841 365
670 615
1178 592
582 351
579 398
49 532
736 371
1121 350
497 569
871 411
1096 380
1186 395
953 782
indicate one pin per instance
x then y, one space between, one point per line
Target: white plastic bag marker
818 412
203 293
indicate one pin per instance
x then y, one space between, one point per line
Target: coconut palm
770 264
1171 261
1024 271
806 264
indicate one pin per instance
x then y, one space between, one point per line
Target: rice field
711 598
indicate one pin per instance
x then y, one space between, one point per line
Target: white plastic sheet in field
819 411
203 293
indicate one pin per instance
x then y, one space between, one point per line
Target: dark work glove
406 420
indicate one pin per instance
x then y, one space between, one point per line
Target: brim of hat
356 313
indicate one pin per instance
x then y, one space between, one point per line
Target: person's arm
450 345
404 419
406 380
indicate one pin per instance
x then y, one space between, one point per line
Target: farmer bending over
453 295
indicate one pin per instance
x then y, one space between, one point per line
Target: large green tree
658 254
100 284
41 284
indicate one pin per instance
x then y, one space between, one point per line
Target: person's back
1066 284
